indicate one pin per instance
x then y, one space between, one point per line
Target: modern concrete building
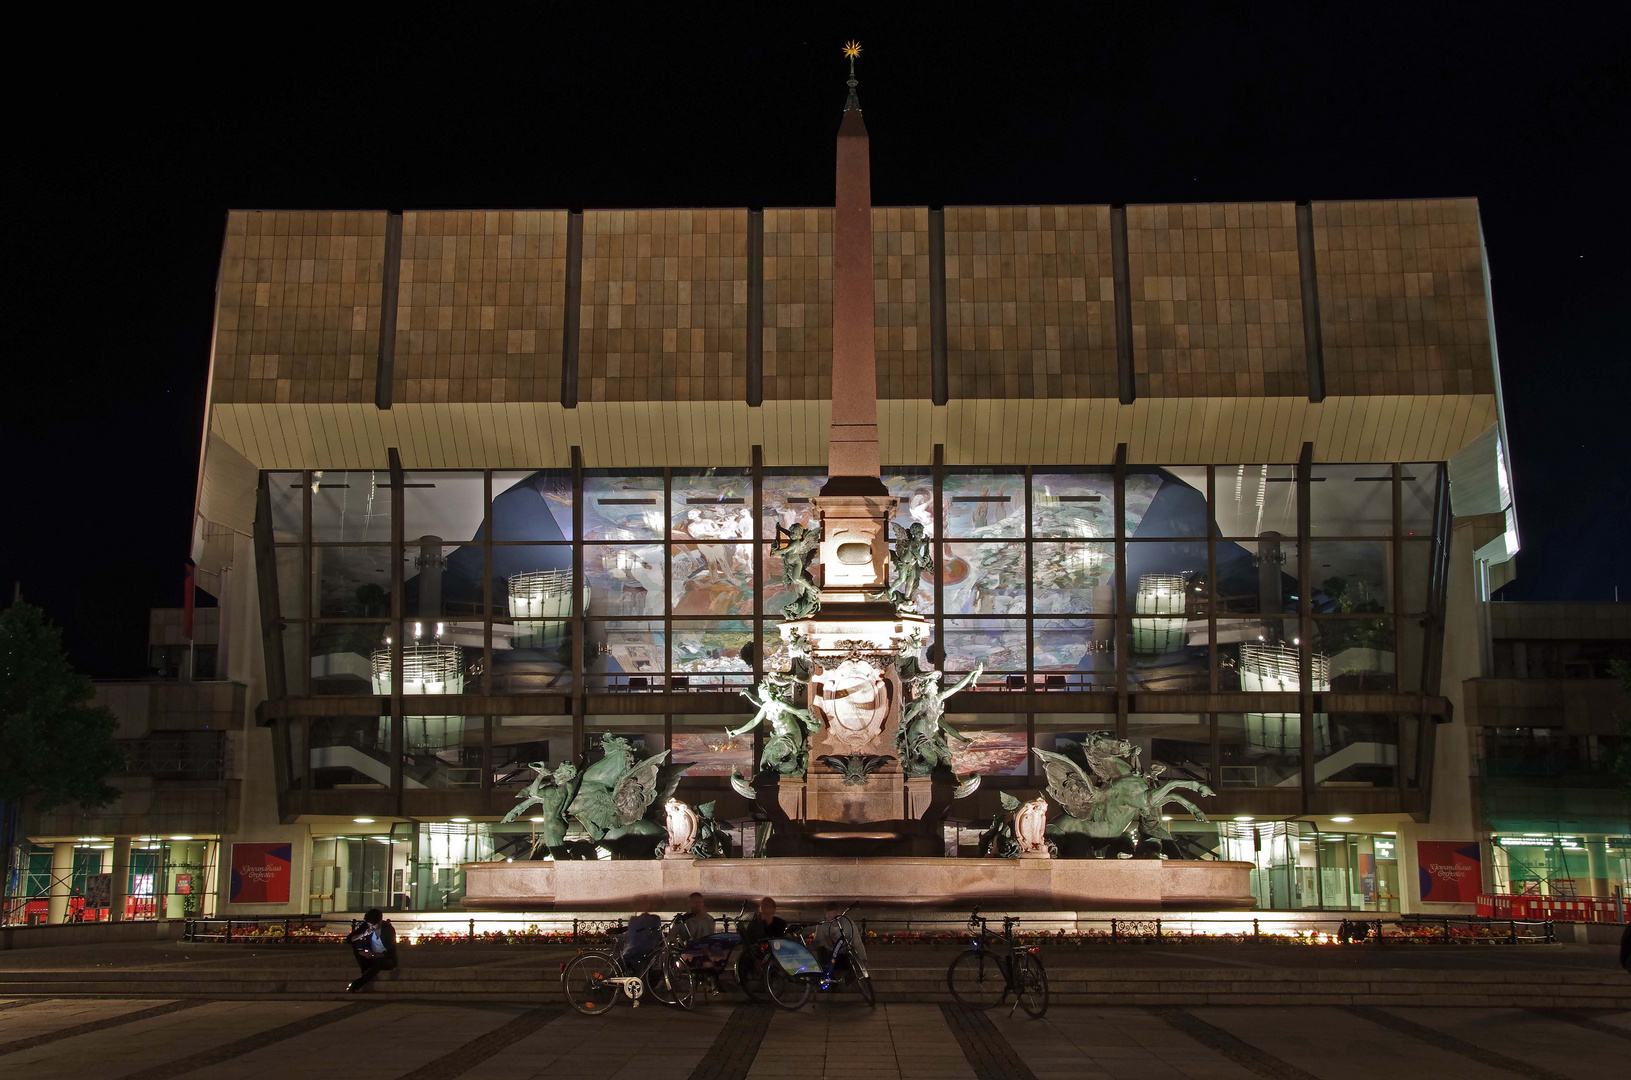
1229 480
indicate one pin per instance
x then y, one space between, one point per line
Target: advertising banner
261 873
1451 871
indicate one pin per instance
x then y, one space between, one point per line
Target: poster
184 884
1367 877
1451 871
261 873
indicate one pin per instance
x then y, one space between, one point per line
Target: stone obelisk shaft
853 444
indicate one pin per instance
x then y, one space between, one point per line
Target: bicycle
992 969
844 967
592 981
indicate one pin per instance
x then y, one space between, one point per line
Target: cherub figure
911 559
801 544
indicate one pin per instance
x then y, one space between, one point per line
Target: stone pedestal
919 795
791 795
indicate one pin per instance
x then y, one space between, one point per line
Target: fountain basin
907 881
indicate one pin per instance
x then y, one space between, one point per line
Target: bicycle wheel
863 984
671 981
786 991
1033 984
750 975
583 981
976 979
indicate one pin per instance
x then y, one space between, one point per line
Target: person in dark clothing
766 924
373 943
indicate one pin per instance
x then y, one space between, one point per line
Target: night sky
127 159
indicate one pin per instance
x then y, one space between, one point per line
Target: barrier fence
1556 909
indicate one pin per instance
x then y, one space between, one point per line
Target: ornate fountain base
1041 884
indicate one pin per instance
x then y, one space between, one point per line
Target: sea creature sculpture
1106 797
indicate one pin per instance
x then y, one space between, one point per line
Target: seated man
765 924
694 923
829 930
373 943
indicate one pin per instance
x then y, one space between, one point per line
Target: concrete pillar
1596 867
62 879
121 878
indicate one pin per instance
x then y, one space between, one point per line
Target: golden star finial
852 49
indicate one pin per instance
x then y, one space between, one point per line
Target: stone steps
1584 988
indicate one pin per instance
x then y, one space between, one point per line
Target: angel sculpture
911 559
1110 803
922 738
787 749
551 792
801 544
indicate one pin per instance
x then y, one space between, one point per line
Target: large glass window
351 507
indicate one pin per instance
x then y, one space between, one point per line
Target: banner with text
261 873
1451 871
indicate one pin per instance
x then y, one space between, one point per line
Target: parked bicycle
993 968
845 968
593 980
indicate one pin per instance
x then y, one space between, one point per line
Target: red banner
261 873
1451 871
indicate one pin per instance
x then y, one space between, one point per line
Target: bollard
574 931
288 924
229 930
1114 933
1257 932
472 931
1446 930
1158 929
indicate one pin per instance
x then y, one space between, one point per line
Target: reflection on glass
283 490
1418 499
1076 652
984 579
519 740
716 505
914 487
532 656
352 582
342 656
624 579
1247 759
1351 500
290 582
997 750
1351 576
710 653
1070 504
1255 499
998 644
1167 597
1267 667
440 751
1361 652
443 504
351 507
1073 578
347 752
984 504
533 506
713 579
629 647
623 507
442 581
1257 576
1415 569
1362 751
708 749
1166 502
1179 742
789 499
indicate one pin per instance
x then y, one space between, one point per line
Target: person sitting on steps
766 924
694 923
373 943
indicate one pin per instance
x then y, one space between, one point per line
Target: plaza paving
375 1037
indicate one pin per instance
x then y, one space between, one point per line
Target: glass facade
1231 579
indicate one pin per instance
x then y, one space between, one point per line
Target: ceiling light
1245 817
460 820
89 839
363 820
181 838
1166 817
537 820
1342 820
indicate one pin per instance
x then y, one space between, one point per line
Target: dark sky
126 160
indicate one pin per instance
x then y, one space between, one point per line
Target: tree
55 745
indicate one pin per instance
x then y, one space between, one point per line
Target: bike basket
794 958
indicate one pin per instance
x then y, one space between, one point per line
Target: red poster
261 873
1451 871
184 884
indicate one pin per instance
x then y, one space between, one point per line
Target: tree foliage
55 745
